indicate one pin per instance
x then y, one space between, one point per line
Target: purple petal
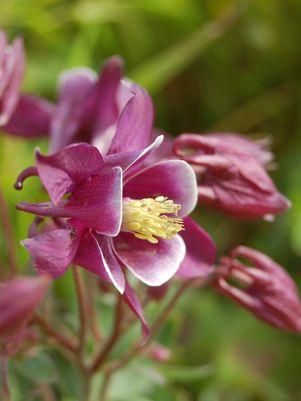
95 254
97 203
200 251
31 117
13 67
53 252
66 168
74 85
101 109
153 264
135 123
130 159
172 178
133 302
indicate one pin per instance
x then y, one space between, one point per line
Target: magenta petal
75 85
12 70
96 204
130 159
172 178
31 117
133 302
101 109
95 254
135 123
70 166
153 264
53 252
200 251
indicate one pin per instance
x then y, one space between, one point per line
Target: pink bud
265 288
159 353
231 174
18 300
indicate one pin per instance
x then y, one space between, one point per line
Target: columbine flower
117 217
18 300
107 111
231 174
12 69
265 288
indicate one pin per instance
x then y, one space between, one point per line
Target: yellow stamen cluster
146 218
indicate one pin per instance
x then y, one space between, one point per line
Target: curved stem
59 338
105 351
9 236
79 286
138 348
5 391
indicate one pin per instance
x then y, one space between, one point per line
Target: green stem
80 291
116 332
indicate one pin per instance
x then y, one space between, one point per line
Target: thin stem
5 390
105 351
9 236
92 315
105 386
80 291
138 348
59 338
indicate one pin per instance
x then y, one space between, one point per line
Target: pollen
147 218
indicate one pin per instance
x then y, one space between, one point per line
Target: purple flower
265 288
118 216
107 111
231 174
18 300
12 69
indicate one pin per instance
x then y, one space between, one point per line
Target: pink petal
153 264
133 302
13 71
74 84
68 167
97 203
200 251
95 254
31 117
172 178
135 123
101 109
131 159
53 252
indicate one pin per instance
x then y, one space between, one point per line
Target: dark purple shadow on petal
31 117
200 251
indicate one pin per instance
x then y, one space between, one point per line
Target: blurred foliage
211 65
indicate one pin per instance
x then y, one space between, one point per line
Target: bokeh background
209 65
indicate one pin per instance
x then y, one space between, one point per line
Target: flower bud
18 300
158 353
231 174
263 287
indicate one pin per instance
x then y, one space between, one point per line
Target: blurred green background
210 65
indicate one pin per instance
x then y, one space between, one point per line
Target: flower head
231 174
265 288
109 214
18 300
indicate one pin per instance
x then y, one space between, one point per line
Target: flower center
146 218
